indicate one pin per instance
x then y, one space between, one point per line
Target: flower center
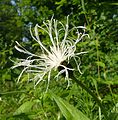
56 58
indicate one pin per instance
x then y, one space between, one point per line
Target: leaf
25 107
68 111
101 64
60 3
83 5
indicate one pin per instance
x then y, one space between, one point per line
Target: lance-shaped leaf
68 111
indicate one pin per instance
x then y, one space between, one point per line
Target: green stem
92 94
11 92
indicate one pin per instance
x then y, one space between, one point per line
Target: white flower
62 48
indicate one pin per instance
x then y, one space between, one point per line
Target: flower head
62 48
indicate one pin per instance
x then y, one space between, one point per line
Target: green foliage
20 101
24 108
69 111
